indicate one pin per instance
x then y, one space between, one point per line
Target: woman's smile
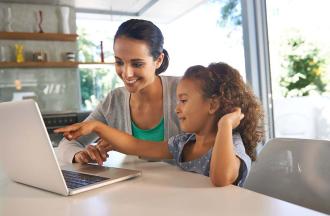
130 81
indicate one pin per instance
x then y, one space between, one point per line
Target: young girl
222 120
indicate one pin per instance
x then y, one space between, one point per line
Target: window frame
257 60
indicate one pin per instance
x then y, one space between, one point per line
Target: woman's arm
224 168
117 140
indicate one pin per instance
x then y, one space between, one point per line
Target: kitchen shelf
39 65
38 36
96 63
52 64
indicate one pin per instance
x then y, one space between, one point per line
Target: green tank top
153 134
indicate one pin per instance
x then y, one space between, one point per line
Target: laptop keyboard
76 180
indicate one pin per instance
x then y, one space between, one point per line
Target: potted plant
305 70
304 80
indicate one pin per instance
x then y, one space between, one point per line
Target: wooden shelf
96 63
37 36
39 65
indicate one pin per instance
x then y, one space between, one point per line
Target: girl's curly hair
222 81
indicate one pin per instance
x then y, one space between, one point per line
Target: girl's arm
69 149
224 167
117 140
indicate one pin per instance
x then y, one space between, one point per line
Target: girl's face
134 64
192 109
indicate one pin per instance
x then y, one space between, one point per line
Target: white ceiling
164 11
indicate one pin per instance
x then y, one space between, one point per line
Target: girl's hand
90 154
77 130
232 119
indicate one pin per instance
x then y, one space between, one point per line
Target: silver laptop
27 155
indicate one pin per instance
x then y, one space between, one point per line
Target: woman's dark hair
149 33
222 81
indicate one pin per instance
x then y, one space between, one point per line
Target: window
96 80
299 56
212 33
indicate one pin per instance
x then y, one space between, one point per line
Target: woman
145 106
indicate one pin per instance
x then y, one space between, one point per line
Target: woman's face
134 64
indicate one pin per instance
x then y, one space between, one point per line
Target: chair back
294 170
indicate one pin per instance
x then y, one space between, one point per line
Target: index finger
95 154
69 128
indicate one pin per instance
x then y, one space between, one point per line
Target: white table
161 190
